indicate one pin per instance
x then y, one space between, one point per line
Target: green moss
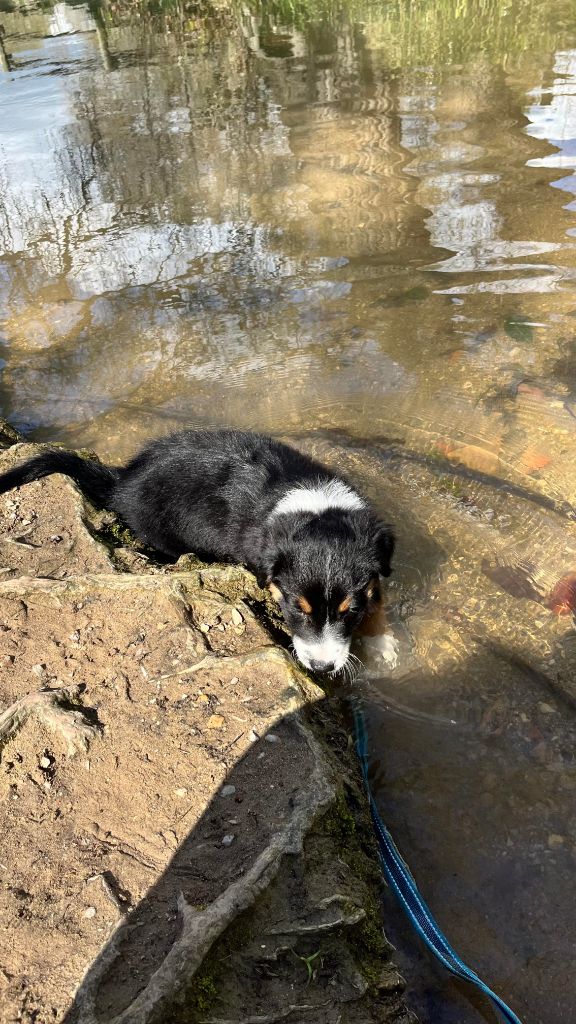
123 535
371 948
371 935
339 821
206 985
201 995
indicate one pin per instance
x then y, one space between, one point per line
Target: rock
215 722
145 817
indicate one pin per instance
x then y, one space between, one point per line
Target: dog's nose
322 666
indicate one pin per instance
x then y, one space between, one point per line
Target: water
351 225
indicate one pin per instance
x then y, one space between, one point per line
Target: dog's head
324 570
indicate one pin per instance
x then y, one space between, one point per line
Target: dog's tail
96 481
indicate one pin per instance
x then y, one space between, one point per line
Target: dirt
180 831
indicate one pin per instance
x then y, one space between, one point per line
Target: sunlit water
357 232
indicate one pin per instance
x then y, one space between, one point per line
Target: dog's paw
384 646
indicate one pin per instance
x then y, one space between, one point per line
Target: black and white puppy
239 497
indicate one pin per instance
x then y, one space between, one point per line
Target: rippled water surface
352 225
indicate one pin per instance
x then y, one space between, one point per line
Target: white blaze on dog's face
329 653
326 551
322 617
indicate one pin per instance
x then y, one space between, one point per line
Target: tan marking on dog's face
304 605
344 605
276 592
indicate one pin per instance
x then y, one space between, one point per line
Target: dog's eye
304 605
344 605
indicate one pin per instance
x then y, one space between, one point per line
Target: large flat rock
180 842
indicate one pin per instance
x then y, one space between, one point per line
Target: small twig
203 663
232 742
112 890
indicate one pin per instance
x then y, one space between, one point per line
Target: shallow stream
349 224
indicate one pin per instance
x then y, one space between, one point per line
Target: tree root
54 708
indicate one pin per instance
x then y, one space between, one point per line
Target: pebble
234 681
271 737
180 792
202 698
253 736
215 722
227 840
555 840
38 670
545 708
89 912
45 762
236 617
228 790
204 627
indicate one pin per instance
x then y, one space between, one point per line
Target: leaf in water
524 388
517 328
562 599
532 460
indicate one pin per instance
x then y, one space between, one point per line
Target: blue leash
406 890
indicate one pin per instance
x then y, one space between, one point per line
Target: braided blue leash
406 890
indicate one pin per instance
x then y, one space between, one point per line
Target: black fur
213 492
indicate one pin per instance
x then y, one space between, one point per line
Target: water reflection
555 121
350 230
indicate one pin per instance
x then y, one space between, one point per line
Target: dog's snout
327 653
322 666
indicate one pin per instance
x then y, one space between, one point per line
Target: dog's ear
384 544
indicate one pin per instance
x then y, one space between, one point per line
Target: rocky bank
184 834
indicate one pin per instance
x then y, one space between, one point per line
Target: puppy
231 496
